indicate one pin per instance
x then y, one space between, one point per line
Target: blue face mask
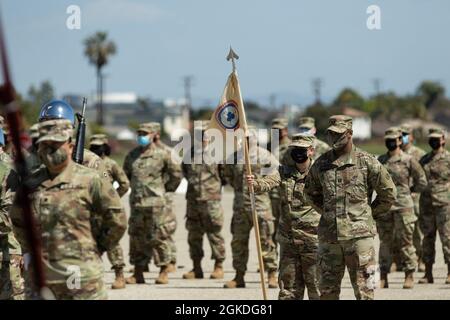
2 137
405 139
304 130
143 141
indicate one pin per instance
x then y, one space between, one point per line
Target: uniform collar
345 159
64 177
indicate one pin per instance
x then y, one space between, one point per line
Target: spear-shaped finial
232 56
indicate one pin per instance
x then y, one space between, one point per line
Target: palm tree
98 49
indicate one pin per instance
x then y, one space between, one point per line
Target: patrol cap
306 122
392 133
301 140
34 131
279 123
340 123
98 139
55 130
406 128
149 127
436 133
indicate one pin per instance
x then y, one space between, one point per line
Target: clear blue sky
282 45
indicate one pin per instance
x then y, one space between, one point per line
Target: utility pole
272 101
377 85
317 89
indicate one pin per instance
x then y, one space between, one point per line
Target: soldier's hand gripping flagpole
14 120
243 122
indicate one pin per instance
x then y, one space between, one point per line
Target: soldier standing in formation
11 281
297 233
242 222
280 124
66 223
339 186
408 147
170 215
147 166
100 146
204 211
435 203
408 177
307 125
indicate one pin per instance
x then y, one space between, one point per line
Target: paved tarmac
205 289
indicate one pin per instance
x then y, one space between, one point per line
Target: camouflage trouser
433 219
115 256
276 211
150 236
241 225
170 213
358 255
205 217
399 222
298 268
89 290
11 281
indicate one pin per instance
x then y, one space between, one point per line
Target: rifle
78 151
14 120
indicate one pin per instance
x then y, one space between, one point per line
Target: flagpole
232 56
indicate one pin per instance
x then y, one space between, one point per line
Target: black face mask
299 155
391 144
435 143
98 150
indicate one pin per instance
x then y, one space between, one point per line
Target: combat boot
237 282
196 272
448 274
119 282
218 271
393 267
163 277
428 277
137 277
171 267
273 281
409 280
421 266
384 280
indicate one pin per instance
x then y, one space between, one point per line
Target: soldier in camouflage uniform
100 146
408 147
204 211
169 201
435 203
242 221
280 124
150 228
307 125
339 186
408 177
71 246
297 233
11 281
4 156
32 159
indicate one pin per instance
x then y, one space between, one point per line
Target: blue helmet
57 109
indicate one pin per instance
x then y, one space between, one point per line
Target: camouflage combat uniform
11 281
408 177
150 229
297 233
340 189
417 153
242 222
435 203
278 123
66 207
204 211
